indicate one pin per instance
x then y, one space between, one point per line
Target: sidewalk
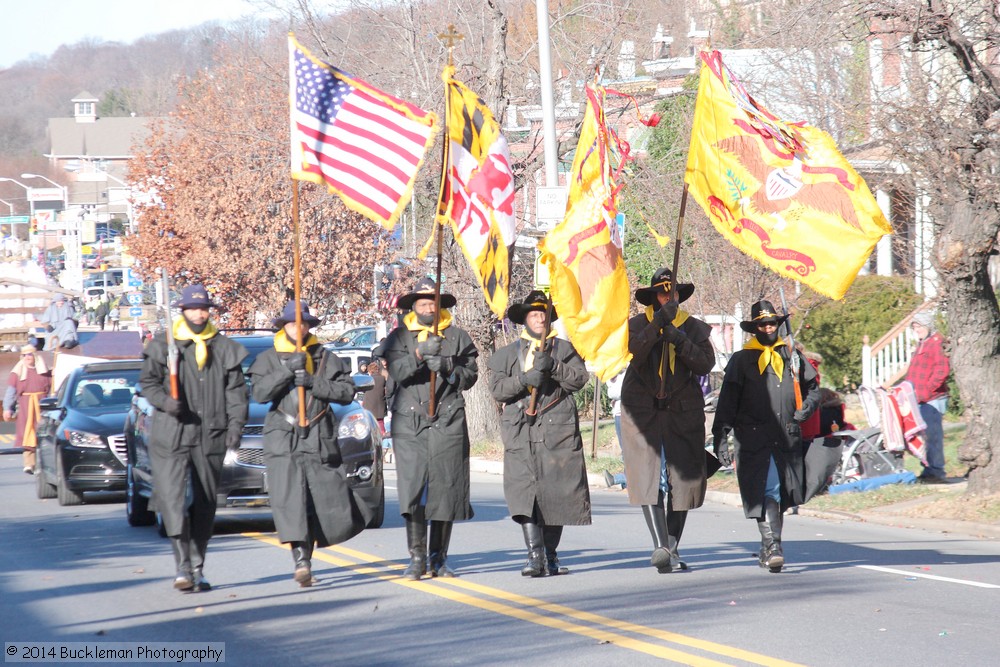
884 516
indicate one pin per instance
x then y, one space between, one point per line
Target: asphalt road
852 592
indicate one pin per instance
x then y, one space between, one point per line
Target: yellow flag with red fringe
781 192
583 253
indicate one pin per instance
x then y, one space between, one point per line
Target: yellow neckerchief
536 344
30 438
411 323
183 332
679 319
768 355
283 344
21 368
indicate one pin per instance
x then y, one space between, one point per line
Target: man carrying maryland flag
431 369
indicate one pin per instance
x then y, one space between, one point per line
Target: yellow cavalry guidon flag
583 253
477 196
780 192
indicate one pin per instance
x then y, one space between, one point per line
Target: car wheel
66 495
42 487
379 517
136 505
161 529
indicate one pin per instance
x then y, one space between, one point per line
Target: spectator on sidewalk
615 395
28 382
928 373
60 323
374 399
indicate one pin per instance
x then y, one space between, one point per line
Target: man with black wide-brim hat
191 433
311 501
544 473
757 402
429 434
663 414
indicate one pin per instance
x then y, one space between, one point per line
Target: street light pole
9 205
31 204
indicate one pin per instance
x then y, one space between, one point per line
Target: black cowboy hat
424 289
536 300
288 315
662 281
762 312
194 296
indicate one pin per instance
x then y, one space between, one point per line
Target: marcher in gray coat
544 474
429 434
191 434
311 500
758 402
663 439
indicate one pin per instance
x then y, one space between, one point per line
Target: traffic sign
133 279
134 299
550 206
135 311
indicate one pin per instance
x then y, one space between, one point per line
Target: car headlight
354 426
84 439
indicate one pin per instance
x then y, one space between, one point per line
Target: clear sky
42 26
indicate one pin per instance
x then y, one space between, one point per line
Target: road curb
879 517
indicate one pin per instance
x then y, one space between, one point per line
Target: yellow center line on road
382 569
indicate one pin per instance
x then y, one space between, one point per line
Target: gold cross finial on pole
450 39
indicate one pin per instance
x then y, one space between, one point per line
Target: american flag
366 145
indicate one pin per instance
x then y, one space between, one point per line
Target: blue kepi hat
194 296
288 315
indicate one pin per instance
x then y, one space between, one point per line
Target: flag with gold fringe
477 196
583 253
781 192
363 144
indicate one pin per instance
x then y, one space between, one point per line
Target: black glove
303 379
667 313
534 378
430 347
173 407
722 451
673 335
296 361
800 415
442 365
544 362
232 440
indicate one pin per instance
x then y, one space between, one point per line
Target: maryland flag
780 192
477 196
583 253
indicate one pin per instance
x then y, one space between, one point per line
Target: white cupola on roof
85 108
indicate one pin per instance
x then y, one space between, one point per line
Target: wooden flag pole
297 290
449 38
661 395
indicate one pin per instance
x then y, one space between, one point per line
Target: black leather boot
535 541
198 565
416 541
551 536
675 528
774 558
184 580
656 521
302 554
438 548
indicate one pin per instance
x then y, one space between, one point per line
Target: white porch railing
885 362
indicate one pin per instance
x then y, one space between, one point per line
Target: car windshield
104 390
254 346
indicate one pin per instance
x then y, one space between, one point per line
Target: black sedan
81 446
244 475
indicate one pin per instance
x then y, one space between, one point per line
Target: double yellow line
556 616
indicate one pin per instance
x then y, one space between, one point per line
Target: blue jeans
932 412
772 488
619 476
